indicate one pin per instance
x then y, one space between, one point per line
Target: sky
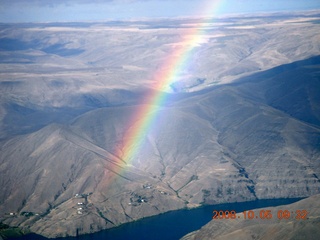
100 10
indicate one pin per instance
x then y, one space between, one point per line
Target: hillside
240 122
226 144
300 225
53 72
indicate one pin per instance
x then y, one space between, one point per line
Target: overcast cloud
63 2
97 10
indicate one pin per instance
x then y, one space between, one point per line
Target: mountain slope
295 227
230 143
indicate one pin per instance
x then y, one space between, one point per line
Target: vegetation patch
7 232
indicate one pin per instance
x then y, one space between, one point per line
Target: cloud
55 2
64 2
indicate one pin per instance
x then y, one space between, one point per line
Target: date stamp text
261 214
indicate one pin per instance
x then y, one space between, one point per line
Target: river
168 226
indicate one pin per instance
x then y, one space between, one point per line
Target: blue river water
168 226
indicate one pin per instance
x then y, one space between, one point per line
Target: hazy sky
92 10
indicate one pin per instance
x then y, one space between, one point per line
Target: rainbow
144 118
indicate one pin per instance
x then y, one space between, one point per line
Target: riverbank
171 225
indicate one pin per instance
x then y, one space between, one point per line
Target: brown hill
230 143
303 223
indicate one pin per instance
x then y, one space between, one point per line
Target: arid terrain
241 122
292 221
